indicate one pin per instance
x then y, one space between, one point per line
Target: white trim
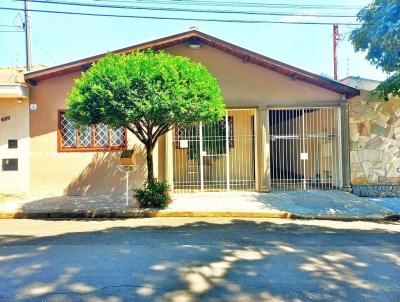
13 91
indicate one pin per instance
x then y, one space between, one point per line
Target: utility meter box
128 158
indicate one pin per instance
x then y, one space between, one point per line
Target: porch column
264 162
169 159
344 114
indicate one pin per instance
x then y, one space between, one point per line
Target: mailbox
128 158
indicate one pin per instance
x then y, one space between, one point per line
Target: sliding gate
305 149
217 156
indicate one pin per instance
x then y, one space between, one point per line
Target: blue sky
58 39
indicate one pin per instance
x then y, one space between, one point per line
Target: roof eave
245 54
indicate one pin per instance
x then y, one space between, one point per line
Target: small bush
155 194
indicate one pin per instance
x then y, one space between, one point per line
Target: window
12 144
10 164
89 138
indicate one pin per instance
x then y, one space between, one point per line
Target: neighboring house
14 131
374 141
285 128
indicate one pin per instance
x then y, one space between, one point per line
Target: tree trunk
149 158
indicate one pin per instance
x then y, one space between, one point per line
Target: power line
174 9
44 50
180 18
237 4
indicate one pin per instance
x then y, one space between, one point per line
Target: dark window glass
10 164
12 144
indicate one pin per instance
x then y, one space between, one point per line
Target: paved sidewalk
280 204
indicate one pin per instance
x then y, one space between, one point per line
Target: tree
146 92
379 36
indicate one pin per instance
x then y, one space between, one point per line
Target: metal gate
305 149
217 156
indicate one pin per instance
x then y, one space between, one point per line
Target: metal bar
201 156
227 150
304 162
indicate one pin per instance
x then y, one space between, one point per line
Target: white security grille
217 156
101 135
85 136
305 149
117 136
68 132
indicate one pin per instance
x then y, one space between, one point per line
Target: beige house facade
285 129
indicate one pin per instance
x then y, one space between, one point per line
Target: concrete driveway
178 260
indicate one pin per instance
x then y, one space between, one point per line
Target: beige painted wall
242 84
246 84
15 128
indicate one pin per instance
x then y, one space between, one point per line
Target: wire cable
180 18
174 9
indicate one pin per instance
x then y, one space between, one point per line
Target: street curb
103 214
150 213
389 217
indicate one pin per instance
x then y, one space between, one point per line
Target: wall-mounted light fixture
194 44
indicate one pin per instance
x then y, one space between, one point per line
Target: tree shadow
101 175
203 261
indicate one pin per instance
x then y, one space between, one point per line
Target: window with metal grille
89 138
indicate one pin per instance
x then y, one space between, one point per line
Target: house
285 128
14 131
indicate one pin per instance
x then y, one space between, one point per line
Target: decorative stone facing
374 145
381 191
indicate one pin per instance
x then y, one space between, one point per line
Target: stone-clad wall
374 141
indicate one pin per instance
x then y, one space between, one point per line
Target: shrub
155 194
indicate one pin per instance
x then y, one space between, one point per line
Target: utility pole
335 42
27 27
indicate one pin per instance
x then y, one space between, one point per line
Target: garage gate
305 149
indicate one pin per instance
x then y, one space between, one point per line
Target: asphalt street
182 260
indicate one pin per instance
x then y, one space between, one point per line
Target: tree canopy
146 92
379 36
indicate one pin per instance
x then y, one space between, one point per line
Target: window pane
68 133
12 144
101 135
10 164
117 136
85 136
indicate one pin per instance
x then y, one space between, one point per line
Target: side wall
375 145
14 124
